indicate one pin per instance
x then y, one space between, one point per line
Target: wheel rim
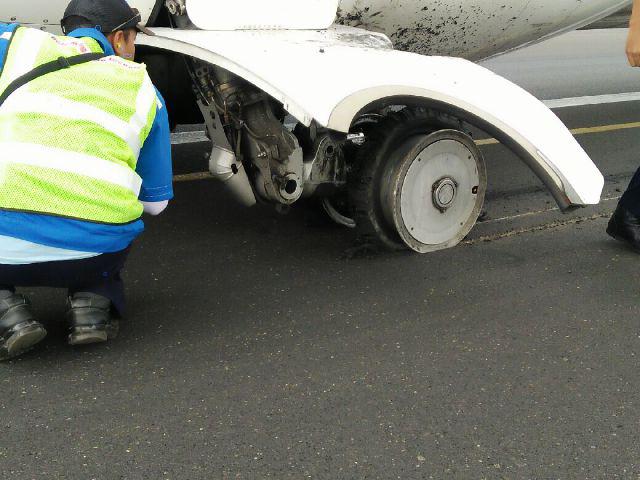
436 191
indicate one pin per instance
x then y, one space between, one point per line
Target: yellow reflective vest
70 140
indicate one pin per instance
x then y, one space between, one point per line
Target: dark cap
108 16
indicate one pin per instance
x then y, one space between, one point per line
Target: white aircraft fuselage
472 29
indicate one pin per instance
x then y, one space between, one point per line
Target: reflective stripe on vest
70 162
73 137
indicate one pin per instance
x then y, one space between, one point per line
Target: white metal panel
438 27
34 11
331 75
472 29
49 12
541 24
262 14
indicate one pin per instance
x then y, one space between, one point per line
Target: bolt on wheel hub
444 193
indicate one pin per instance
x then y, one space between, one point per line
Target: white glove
154 208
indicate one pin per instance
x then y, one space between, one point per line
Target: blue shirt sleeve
4 42
154 163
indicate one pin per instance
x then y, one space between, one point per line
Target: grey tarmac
256 349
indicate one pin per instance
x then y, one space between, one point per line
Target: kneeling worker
85 145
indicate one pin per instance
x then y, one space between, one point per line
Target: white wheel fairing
437 191
340 77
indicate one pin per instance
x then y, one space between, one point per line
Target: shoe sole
89 335
26 336
611 233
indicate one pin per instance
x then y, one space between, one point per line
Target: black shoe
625 226
90 319
19 331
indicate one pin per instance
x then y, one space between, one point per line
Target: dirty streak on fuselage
473 29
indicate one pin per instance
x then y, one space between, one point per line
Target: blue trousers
631 198
99 275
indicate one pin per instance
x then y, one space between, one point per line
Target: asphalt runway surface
255 348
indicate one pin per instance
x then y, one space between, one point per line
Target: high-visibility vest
70 140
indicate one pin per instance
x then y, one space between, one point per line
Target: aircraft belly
330 76
472 29
435 27
46 14
40 12
540 22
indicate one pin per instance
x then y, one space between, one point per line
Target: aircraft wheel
413 187
435 190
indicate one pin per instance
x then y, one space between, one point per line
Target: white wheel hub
437 190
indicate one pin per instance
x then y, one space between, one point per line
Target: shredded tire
370 162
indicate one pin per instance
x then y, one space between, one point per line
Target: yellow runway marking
578 131
605 128
190 177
